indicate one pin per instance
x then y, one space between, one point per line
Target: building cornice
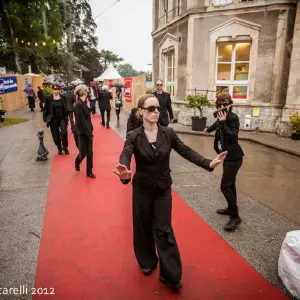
227 10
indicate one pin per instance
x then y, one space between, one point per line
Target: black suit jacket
83 123
153 167
48 109
133 121
70 99
104 100
166 105
229 132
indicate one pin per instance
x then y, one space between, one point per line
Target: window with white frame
232 69
170 72
221 2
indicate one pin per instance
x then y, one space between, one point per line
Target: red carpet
86 246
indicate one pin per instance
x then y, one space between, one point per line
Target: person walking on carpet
31 96
104 98
151 145
84 130
55 115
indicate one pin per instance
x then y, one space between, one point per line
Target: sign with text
128 89
8 84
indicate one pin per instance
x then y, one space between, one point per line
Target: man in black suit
226 139
70 99
104 105
166 114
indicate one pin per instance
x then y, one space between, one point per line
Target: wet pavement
267 175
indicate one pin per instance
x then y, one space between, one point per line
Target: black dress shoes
149 271
232 224
170 285
223 211
77 167
59 152
91 175
66 151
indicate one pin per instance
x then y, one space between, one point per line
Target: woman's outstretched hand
218 160
122 172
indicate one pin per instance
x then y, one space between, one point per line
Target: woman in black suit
84 130
55 115
151 145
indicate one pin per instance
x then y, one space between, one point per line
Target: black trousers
71 119
230 170
59 133
102 111
118 113
31 102
93 106
152 227
85 150
41 105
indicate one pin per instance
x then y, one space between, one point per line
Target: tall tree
31 21
126 70
107 57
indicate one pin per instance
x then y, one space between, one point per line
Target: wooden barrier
138 88
17 100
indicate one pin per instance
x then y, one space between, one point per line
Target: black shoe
91 175
149 271
103 124
107 126
173 286
77 167
66 151
223 211
232 224
59 152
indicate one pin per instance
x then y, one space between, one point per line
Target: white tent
109 73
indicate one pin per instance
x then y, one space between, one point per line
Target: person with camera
226 139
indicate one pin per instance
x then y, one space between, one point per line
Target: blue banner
8 84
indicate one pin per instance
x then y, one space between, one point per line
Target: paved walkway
267 139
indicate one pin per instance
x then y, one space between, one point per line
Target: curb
291 152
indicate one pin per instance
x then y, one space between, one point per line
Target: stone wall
267 121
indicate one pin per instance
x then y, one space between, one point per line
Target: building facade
248 48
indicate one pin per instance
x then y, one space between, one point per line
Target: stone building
249 48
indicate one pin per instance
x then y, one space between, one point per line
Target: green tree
107 57
32 21
126 70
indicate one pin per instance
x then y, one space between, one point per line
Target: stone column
293 93
278 88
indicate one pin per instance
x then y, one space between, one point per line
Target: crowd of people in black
150 139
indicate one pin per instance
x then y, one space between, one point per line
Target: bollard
42 151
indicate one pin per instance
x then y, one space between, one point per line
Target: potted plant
295 123
198 102
2 111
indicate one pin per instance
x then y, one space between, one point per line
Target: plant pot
198 124
296 136
2 115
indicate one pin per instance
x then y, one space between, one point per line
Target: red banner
128 89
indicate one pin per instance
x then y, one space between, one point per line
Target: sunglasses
159 85
152 108
56 89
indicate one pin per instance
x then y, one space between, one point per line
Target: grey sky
126 30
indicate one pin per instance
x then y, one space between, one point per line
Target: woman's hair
141 103
81 90
222 99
